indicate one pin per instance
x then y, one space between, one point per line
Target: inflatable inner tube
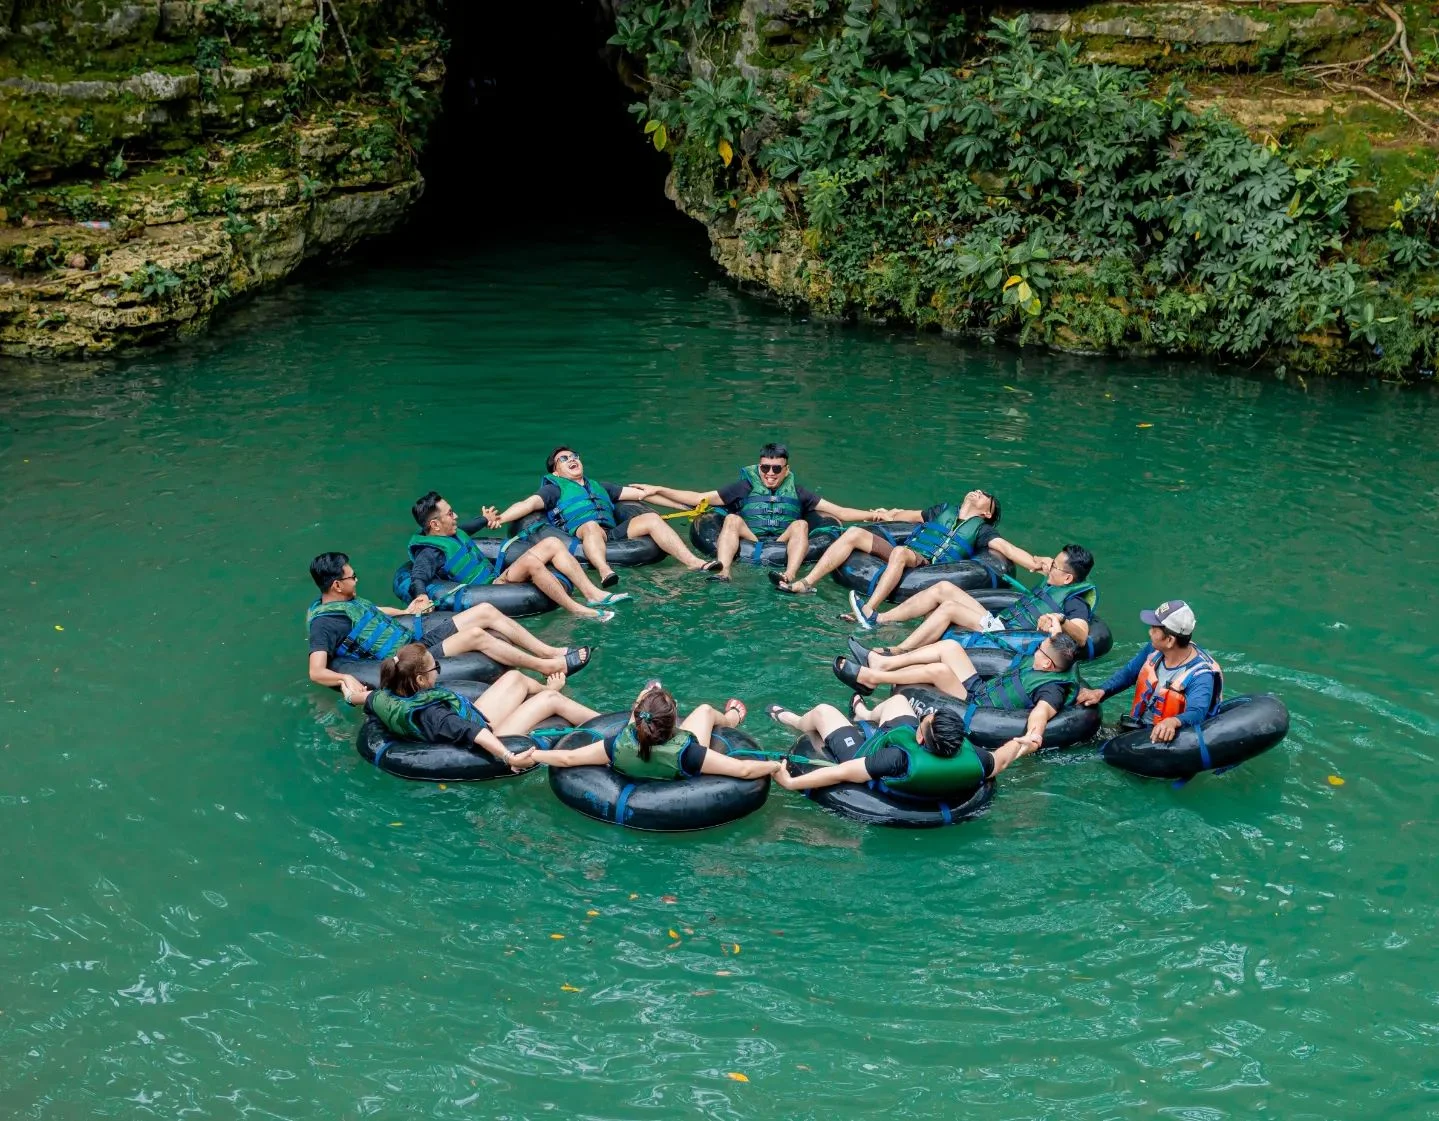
705 530
1001 649
861 571
473 666
991 727
515 600
870 804
628 553
655 805
433 762
1244 727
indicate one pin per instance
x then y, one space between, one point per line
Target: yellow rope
704 504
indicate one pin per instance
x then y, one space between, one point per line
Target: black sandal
848 672
576 660
773 712
860 651
611 580
710 566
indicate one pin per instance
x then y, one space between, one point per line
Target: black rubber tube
1244 726
991 727
433 762
872 805
462 667
515 600
861 571
629 553
1101 639
705 531
655 805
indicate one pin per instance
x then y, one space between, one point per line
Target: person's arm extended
915 516
1039 717
717 764
517 760
591 755
426 568
1021 557
1052 622
849 514
856 770
679 499
1006 753
322 674
531 505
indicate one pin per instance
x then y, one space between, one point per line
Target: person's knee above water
653 744
766 503
1176 683
342 625
444 551
926 758
586 509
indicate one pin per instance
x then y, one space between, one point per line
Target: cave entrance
536 123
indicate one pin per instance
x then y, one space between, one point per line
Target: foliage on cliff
896 164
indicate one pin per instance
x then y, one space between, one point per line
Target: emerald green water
213 908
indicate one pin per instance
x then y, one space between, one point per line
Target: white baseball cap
1174 615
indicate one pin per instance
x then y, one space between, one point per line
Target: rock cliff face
157 159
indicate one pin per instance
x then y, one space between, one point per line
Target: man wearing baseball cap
1175 682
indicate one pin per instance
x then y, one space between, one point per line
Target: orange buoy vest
1153 703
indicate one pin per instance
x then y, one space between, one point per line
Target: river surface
212 908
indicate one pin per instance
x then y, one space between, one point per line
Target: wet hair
327 568
946 733
654 717
1078 560
550 462
425 507
400 672
1065 650
774 451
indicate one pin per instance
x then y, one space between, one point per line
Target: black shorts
970 684
619 532
437 630
844 741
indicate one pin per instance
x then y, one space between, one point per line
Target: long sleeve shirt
1198 691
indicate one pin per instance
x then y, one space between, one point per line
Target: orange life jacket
1153 703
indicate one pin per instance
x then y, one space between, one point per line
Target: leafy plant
152 281
304 60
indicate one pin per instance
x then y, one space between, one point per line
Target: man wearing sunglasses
765 504
585 509
342 625
1042 683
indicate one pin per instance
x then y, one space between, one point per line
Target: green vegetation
996 186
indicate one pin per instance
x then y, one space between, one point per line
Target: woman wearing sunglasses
411 704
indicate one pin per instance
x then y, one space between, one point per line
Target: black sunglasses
351 576
566 458
771 468
434 669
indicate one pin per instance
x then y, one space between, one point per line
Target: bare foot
734 713
555 681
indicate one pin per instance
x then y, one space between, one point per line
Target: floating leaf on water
736 947
557 937
1144 424
442 786
723 973
801 1066
395 823
1335 780
674 935
570 989
703 992
737 1076
58 627
634 895
668 899
592 914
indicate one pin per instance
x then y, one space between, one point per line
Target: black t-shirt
328 631
890 762
427 567
732 495
439 723
986 534
550 494
692 758
1053 694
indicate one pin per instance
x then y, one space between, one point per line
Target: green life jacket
768 513
946 539
1012 689
928 776
464 563
1024 613
664 760
580 504
373 634
399 714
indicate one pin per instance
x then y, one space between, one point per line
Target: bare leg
732 532
492 646
592 540
543 705
703 721
936 675
552 551
796 545
923 656
901 559
506 695
658 530
817 723
492 619
856 539
946 615
922 603
533 568
888 709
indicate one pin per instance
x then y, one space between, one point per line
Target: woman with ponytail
410 703
652 746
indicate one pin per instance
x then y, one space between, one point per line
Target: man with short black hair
443 551
1041 683
1175 682
1063 601
585 509
342 625
766 503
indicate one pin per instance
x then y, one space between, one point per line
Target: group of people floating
1041 634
